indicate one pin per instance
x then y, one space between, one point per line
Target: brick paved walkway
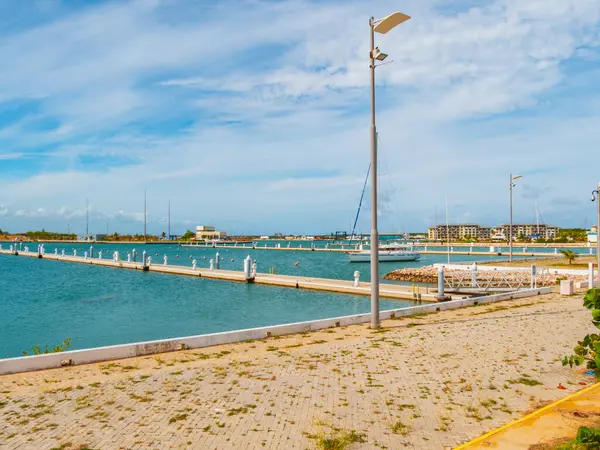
428 382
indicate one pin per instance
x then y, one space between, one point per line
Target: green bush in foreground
589 348
586 439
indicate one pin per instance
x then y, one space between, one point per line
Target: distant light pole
596 198
510 231
381 26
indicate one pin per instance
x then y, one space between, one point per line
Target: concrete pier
391 291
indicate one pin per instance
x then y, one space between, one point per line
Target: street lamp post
510 231
596 198
381 26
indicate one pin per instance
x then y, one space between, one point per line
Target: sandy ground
426 382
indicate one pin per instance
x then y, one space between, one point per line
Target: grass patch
337 439
400 428
177 418
526 380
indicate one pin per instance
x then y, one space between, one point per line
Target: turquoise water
302 263
44 302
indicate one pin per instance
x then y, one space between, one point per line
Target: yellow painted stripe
527 417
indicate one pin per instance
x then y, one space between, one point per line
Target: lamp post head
378 54
594 193
517 176
387 23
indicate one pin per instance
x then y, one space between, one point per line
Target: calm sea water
43 302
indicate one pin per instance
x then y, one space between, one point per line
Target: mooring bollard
356 278
128 256
62 252
134 255
533 276
248 275
91 251
474 275
194 262
556 251
211 264
56 252
254 269
85 255
144 256
591 251
165 260
218 263
100 254
74 252
440 293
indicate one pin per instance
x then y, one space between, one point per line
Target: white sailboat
387 253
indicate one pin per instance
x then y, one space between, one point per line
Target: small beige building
208 232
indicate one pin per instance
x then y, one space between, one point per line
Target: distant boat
387 253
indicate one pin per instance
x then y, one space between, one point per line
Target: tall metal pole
374 233
510 231
169 226
145 215
598 233
87 219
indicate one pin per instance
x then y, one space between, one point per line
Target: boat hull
385 256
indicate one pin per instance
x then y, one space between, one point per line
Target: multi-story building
208 232
532 230
458 231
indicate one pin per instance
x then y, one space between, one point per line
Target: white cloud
287 93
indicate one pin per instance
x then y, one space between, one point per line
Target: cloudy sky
253 115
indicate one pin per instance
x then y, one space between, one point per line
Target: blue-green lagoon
43 301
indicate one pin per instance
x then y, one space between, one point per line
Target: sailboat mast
435 234
537 217
362 194
87 219
448 229
169 221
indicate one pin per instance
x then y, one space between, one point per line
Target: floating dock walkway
391 291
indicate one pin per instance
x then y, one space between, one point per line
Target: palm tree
569 254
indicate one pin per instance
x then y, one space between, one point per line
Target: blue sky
254 115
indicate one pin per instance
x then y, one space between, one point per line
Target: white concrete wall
53 360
